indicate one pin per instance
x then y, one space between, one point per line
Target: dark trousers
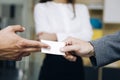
7 64
58 68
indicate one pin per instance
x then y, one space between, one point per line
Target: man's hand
14 47
77 47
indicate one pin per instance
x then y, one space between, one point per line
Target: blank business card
54 47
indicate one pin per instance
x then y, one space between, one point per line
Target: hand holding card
54 47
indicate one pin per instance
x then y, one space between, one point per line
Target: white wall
111 11
11 1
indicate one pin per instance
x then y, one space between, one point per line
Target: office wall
0 11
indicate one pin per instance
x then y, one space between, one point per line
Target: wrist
54 37
91 52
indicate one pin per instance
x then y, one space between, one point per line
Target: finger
26 54
40 33
19 56
74 58
37 38
28 50
34 44
69 48
19 59
71 58
17 28
68 41
66 54
22 54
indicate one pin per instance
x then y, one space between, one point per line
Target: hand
14 47
47 36
79 47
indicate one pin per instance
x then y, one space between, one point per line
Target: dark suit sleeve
107 50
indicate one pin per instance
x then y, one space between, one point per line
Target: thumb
66 49
17 28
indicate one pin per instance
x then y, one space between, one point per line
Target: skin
47 36
14 47
77 47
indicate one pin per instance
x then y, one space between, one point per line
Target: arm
107 49
102 51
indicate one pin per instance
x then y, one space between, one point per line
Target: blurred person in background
56 20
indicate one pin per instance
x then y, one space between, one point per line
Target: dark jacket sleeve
107 50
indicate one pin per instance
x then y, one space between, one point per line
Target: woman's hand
47 36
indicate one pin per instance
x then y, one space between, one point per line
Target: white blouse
59 18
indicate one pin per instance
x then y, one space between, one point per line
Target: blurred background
105 19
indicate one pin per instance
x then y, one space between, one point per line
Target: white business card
54 47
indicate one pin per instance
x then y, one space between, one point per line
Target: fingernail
23 28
